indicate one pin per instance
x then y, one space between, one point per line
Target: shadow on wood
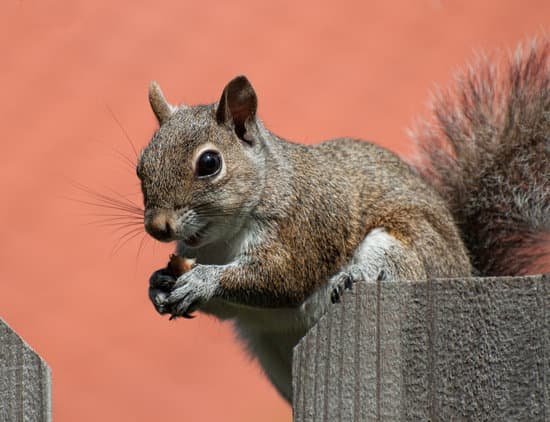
470 349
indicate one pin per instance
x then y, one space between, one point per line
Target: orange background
361 68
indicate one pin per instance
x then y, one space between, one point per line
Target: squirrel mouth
195 238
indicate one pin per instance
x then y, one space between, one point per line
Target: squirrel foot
164 281
345 280
191 290
161 284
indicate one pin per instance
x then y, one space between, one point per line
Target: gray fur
487 151
284 228
283 225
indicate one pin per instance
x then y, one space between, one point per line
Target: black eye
209 164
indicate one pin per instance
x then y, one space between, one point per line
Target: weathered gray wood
25 384
442 350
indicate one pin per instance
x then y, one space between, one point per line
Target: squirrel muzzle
160 223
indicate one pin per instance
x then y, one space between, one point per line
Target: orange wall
358 68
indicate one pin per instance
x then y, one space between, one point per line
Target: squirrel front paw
161 284
190 291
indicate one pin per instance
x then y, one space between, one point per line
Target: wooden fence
442 350
25 385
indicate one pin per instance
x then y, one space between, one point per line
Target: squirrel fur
487 152
279 229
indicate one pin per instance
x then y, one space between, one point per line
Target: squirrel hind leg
380 257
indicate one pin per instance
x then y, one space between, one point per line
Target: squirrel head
201 172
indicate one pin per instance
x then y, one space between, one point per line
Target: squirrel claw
185 315
344 281
348 282
335 296
337 291
183 308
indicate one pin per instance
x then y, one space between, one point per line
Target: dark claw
335 296
381 275
186 315
348 283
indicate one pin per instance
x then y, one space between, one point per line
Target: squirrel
279 230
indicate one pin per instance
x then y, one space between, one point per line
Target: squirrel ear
237 104
162 108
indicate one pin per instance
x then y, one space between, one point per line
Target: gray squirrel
279 230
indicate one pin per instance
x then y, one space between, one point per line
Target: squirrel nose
160 224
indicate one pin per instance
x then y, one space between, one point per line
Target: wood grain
465 349
25 383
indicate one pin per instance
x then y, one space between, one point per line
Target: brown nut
179 265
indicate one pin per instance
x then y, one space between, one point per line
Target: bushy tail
486 149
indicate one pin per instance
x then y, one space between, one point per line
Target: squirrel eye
208 164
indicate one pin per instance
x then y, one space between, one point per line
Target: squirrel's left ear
162 108
238 105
